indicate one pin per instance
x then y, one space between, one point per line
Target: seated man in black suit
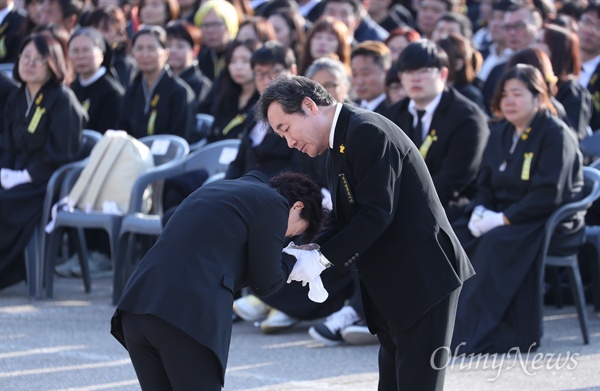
450 131
370 61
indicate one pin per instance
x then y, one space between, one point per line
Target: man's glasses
519 26
421 72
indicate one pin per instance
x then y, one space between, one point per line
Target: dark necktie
417 134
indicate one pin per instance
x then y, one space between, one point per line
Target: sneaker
251 308
277 321
98 262
358 334
329 332
65 269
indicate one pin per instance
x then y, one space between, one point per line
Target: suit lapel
336 155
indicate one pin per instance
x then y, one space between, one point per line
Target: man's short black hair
422 54
274 52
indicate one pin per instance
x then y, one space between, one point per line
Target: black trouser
416 359
166 358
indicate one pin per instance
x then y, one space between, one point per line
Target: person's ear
298 205
310 105
444 74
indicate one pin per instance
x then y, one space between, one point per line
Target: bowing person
156 102
43 124
100 94
530 167
174 316
387 221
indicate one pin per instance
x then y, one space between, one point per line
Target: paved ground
64 344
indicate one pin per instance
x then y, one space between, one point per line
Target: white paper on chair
160 147
227 155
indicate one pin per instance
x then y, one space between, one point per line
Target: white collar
92 79
429 109
5 12
590 65
338 108
372 104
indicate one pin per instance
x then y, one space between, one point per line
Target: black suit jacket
225 235
388 220
461 133
10 36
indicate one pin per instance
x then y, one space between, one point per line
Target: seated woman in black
43 122
531 166
157 102
235 92
100 94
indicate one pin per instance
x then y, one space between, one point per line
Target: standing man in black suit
174 316
450 131
387 220
589 50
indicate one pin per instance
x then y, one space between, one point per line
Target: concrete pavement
64 344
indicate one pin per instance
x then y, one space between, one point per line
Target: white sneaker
358 334
329 332
98 262
250 308
277 321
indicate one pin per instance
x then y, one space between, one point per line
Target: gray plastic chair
214 158
177 151
36 249
204 123
591 193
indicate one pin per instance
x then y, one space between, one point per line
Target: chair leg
33 267
54 241
578 297
592 235
82 253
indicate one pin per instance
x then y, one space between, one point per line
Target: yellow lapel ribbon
526 170
236 121
151 122
35 120
525 134
3 47
86 105
154 101
430 139
593 79
342 148
596 100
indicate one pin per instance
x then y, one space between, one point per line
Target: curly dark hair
299 187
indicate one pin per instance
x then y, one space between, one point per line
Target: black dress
38 140
500 308
103 100
168 108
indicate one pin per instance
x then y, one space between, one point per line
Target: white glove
316 291
11 178
308 265
476 217
489 221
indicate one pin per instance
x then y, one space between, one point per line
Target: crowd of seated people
495 95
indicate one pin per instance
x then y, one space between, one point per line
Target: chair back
590 191
166 148
214 157
7 69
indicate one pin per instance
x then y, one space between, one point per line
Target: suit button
346 264
356 255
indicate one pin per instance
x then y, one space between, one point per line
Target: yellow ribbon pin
155 100
86 105
39 99
151 122
526 170
35 120
431 137
342 148
526 133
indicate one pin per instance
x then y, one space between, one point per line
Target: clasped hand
307 270
484 220
11 178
